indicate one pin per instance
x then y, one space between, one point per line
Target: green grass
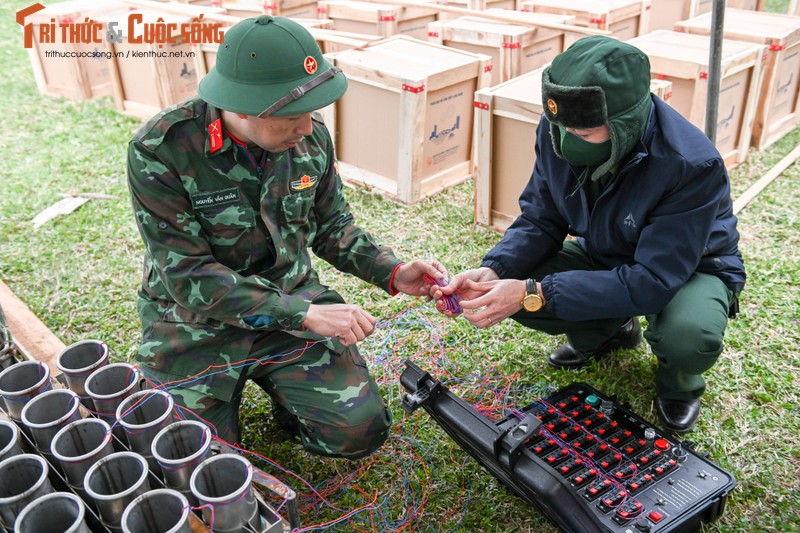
79 274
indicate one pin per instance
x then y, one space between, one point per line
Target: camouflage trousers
326 395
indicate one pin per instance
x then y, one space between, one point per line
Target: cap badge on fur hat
310 64
552 106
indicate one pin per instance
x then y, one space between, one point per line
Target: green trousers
686 336
325 390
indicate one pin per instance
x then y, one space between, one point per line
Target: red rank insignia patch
215 135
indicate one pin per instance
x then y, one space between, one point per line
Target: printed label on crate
448 127
625 29
540 53
732 100
417 28
786 85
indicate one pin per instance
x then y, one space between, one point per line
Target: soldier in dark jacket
648 198
230 190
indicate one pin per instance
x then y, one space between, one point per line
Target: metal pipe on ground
20 383
46 414
108 386
714 68
223 485
9 439
23 478
79 445
142 415
157 511
179 448
77 361
114 482
57 512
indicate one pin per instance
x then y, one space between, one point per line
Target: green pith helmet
271 66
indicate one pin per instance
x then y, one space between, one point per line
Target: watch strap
530 286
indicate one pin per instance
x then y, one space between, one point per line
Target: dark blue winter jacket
666 214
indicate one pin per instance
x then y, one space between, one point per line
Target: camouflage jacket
227 244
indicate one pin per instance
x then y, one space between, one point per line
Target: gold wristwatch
532 301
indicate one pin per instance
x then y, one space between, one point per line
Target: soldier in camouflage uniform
230 190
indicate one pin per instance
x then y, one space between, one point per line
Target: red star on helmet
310 64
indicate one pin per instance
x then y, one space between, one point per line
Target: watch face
532 303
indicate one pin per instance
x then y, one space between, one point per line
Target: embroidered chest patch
305 182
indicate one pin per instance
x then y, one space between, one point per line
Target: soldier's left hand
409 278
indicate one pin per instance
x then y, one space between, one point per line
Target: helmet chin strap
299 91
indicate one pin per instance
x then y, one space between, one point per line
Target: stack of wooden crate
474 5
778 107
374 18
664 14
515 49
625 19
404 126
683 60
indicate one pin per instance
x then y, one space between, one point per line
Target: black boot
628 336
285 419
678 416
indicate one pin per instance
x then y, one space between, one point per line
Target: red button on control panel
656 517
661 444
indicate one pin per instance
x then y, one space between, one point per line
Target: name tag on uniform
207 199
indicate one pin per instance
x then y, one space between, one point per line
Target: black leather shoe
678 416
628 336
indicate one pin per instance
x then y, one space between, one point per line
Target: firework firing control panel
585 461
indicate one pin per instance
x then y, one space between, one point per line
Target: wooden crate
283 8
778 109
514 49
146 78
661 88
243 10
506 118
683 59
665 13
71 77
293 8
372 18
625 19
404 126
475 5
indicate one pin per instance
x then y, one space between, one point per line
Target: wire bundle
450 301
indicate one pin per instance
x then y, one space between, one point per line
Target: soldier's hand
458 284
349 323
410 277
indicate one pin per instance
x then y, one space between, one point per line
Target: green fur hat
596 81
